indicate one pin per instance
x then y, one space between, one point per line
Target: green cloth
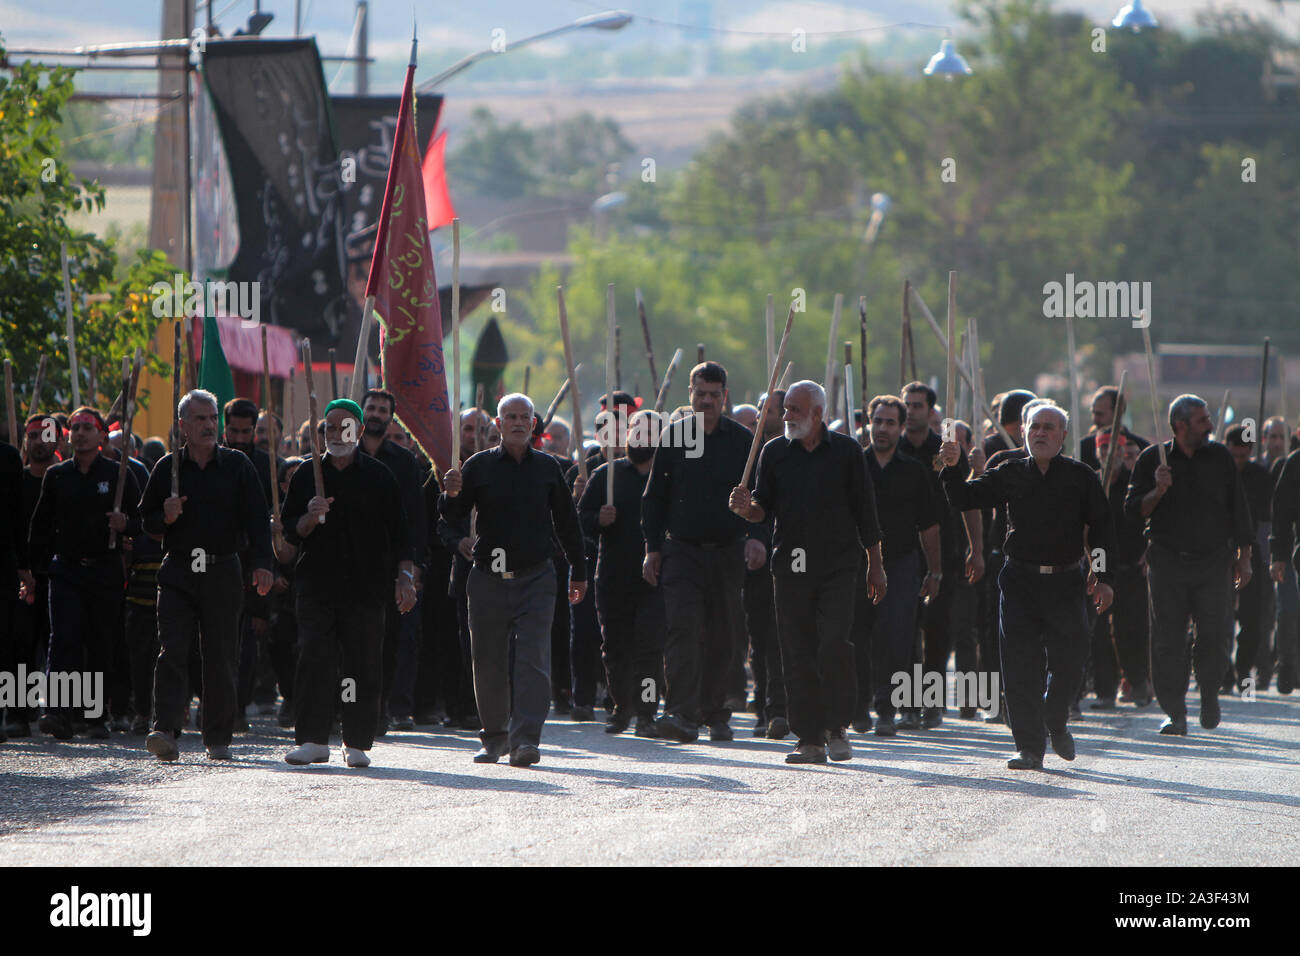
214 370
347 405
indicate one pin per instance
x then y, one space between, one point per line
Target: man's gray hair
515 397
198 395
1180 409
816 393
1040 403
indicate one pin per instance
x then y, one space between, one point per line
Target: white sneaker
355 758
308 753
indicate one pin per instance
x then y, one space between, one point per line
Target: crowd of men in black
388 597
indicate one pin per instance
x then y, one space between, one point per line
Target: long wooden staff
611 417
769 321
668 380
949 428
290 413
277 538
11 414
310 379
129 383
72 329
645 331
1151 380
191 368
36 387
762 412
862 359
903 333
455 343
555 402
1220 426
785 377
573 383
829 380
334 375
176 404
1109 468
1074 380
1263 389
848 389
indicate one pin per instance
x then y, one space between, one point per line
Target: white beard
795 431
340 449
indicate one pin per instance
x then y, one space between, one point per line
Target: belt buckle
507 575
1046 569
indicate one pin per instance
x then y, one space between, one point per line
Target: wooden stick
785 377
176 404
191 366
1109 467
130 382
1074 380
359 363
645 331
976 380
573 383
72 329
618 357
830 349
862 355
291 412
455 343
762 412
11 413
316 452
1151 380
699 354
555 402
1281 374
668 380
611 374
277 537
480 430
947 428
527 374
769 319
961 368
36 388
334 375
848 389
1263 390
963 387
902 334
94 380
1220 426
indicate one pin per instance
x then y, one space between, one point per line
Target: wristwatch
410 574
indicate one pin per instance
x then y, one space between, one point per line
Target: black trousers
884 634
949 625
632 648
142 647
584 645
28 638
988 598
1043 621
765 646
200 608
328 629
86 621
1256 609
1121 638
561 635
460 595
1180 588
441 674
704 611
814 616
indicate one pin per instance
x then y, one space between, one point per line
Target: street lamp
609 20
947 62
1135 17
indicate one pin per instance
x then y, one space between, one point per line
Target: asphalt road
940 797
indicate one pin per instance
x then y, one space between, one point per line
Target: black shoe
969 713
17 728
806 753
1102 703
492 752
616 724
404 723
908 721
760 728
1285 681
525 755
645 727
778 728
720 732
56 725
837 745
862 725
1063 744
1210 713
885 727
582 714
1174 727
932 718
562 706
98 730
673 728
162 745
1024 761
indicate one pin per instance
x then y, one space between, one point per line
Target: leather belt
1045 568
702 545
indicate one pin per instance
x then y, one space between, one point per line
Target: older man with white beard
354 558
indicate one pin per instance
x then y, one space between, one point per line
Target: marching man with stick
814 481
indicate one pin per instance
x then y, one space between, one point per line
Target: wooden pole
976 380
947 428
176 402
902 334
455 343
36 388
618 357
72 329
830 349
334 375
645 332
862 353
611 376
699 354
769 319
191 367
762 412
94 380
527 375
130 382
1220 426
573 383
848 389
1263 391
1072 371
555 402
963 387
359 363
310 380
1108 467
1151 380
785 377
11 409
668 380
290 412
1281 374
277 538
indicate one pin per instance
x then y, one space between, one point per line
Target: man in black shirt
219 512
696 550
1285 511
814 482
1103 417
401 631
631 611
522 500
1196 512
1256 602
351 565
13 537
1051 502
885 636
70 535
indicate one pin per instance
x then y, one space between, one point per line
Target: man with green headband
354 557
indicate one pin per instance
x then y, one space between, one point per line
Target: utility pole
363 48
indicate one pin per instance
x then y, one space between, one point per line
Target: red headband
87 417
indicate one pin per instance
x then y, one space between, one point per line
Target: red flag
406 295
438 207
